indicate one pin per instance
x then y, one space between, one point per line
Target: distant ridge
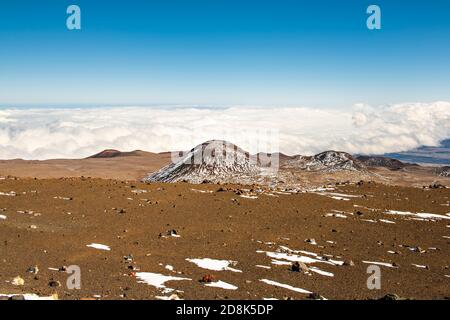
113 153
328 161
218 161
384 162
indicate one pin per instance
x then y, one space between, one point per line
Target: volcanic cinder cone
212 161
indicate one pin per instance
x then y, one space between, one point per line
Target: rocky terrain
135 240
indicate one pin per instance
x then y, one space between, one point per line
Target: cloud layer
33 133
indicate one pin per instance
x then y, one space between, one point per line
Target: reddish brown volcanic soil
48 223
108 165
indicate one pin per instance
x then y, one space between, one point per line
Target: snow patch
291 256
31 296
214 264
157 280
321 272
221 284
262 267
386 221
285 286
422 215
384 264
8 194
99 246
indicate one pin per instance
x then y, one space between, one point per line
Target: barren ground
50 222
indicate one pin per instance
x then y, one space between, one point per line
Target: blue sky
221 52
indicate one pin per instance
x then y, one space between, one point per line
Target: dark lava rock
54 283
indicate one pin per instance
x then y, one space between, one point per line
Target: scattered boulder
311 241
18 281
33 270
391 297
349 263
418 249
436 185
207 278
54 283
173 296
128 258
169 233
299 266
316 296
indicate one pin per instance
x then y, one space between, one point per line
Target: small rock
391 296
172 232
299 267
54 283
128 258
33 270
316 296
349 263
169 233
418 249
207 278
18 281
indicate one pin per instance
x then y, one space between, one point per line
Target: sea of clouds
45 133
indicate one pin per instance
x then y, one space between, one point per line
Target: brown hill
112 153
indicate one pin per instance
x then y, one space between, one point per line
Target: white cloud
73 133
